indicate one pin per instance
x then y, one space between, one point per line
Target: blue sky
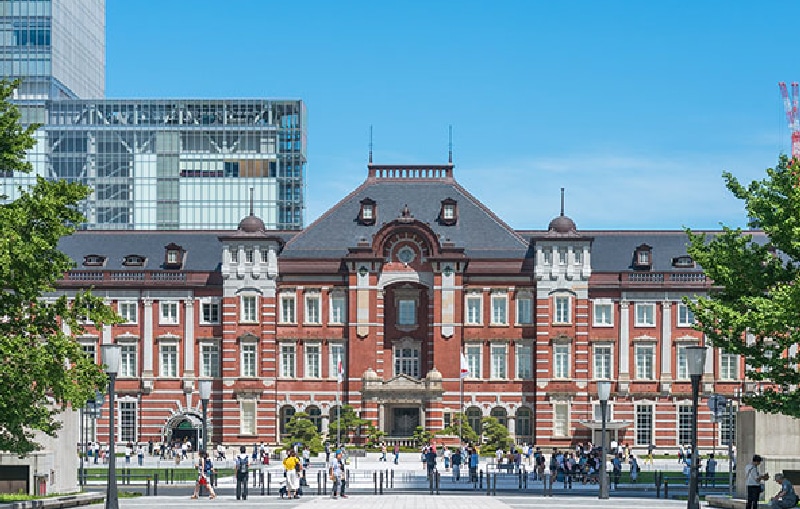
635 108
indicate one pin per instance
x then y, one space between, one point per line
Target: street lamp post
111 358
603 393
695 360
205 395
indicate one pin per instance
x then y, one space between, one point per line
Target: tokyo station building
397 280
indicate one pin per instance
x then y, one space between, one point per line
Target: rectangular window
249 308
338 307
729 366
169 313
603 315
562 256
644 362
597 411
682 368
209 360
313 368
727 426
561 361
499 353
287 309
129 311
90 349
312 308
474 309
644 425
127 421
524 362
602 362
473 353
524 310
499 310
248 255
169 361
287 361
248 366
560 419
406 312
645 314
685 316
562 315
406 362
684 424
578 254
336 352
127 367
209 312
247 417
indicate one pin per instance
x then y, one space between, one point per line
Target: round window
405 254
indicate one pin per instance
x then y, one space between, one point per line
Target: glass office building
176 164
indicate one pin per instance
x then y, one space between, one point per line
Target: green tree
756 291
302 429
349 422
374 435
461 423
495 435
44 369
422 436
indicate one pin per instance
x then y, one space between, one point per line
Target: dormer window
134 261
643 257
683 262
94 260
173 258
448 215
368 212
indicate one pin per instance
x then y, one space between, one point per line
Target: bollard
430 483
658 486
171 476
488 484
438 477
519 478
480 479
319 482
269 482
666 490
261 481
380 484
255 478
392 482
494 487
147 488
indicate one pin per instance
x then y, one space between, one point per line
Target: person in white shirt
753 479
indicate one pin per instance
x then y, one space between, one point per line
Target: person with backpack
242 468
205 468
336 474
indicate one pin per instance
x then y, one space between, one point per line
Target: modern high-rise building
153 164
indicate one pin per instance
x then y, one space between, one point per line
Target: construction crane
790 105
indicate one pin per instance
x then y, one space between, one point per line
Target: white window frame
335 350
728 366
165 370
165 315
683 426
685 316
129 311
338 308
681 363
248 308
561 422
603 319
128 360
210 358
606 367
248 352
562 309
648 361
312 308
127 409
288 360
312 360
414 361
499 309
524 314
474 354
641 319
288 308
210 304
449 211
248 417
524 370
498 365
648 440
473 309
597 411
561 360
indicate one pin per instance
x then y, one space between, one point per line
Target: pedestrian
680 454
383 451
753 479
306 457
242 467
327 453
711 471
396 454
293 468
446 454
474 459
204 470
634 464
649 458
96 452
455 460
430 461
140 455
786 497
616 467
336 474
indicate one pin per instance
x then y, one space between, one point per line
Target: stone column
326 421
147 339
624 340
512 426
666 340
188 338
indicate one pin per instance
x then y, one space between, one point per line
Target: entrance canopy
597 425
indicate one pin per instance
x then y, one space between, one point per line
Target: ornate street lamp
696 361
603 393
111 358
205 395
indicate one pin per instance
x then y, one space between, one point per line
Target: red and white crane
790 105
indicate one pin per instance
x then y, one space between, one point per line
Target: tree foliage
300 429
349 422
754 308
495 435
461 423
44 369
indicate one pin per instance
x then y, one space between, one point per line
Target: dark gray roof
478 231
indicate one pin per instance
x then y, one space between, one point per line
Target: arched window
501 415
474 416
523 426
286 415
315 416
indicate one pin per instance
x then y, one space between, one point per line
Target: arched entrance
183 427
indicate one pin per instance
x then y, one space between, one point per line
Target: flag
464 366
339 370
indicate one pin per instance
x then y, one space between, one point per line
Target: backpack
241 464
208 466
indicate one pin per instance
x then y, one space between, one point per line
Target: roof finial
562 201
251 202
370 144
450 155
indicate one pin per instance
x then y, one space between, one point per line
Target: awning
610 425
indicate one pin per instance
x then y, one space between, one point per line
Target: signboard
717 404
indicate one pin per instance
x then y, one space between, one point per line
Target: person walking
396 454
753 478
616 467
711 471
293 468
649 459
785 498
242 468
634 464
336 473
430 461
204 470
446 454
474 459
455 460
383 451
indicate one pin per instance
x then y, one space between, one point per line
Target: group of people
754 480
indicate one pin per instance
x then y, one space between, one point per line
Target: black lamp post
111 358
695 360
205 394
603 393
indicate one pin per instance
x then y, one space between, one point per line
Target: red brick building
397 280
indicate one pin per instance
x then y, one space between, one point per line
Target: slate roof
478 230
